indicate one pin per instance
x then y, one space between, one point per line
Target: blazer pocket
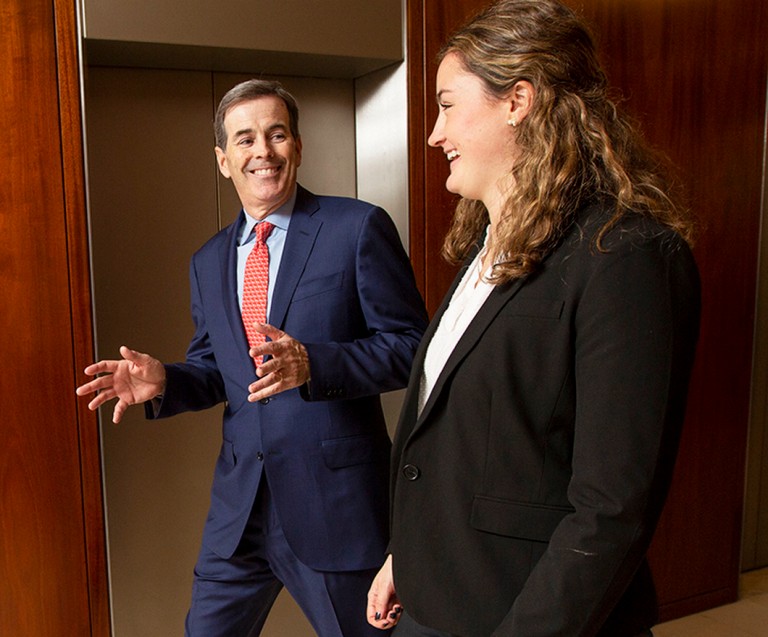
521 520
534 308
318 285
353 450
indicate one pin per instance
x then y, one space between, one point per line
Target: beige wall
381 112
155 197
296 26
318 38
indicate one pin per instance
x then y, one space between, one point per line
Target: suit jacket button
260 456
411 472
265 401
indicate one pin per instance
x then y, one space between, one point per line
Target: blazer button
260 456
411 472
265 401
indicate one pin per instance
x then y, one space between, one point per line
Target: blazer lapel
228 269
299 241
477 327
408 413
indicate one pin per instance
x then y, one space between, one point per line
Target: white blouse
467 299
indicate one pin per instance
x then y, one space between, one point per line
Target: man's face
261 157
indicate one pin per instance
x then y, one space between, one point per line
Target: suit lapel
408 413
498 298
299 241
228 265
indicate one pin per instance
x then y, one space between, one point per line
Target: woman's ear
520 101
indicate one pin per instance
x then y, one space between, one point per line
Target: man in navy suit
300 495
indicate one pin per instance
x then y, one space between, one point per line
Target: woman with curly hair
539 432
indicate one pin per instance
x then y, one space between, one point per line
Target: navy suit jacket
345 289
549 439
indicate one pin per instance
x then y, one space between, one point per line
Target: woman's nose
436 136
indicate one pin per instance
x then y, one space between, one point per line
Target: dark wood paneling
431 205
695 74
73 171
52 566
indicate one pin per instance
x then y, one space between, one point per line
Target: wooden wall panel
431 205
52 566
695 74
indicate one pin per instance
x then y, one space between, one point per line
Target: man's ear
299 147
520 101
221 161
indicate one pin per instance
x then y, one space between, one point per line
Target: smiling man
305 310
260 153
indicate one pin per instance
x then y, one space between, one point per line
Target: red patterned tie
255 286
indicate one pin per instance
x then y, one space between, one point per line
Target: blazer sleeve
635 332
395 319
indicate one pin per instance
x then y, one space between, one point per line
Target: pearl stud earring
512 122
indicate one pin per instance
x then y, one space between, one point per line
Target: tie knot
262 231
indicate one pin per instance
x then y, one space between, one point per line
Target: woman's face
473 132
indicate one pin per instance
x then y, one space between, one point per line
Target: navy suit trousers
232 597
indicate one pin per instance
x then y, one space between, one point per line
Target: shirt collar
280 218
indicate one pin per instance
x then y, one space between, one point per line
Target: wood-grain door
694 73
52 557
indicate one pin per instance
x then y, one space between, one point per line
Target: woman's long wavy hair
574 145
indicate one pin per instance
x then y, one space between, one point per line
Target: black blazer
526 493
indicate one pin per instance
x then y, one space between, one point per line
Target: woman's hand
384 607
